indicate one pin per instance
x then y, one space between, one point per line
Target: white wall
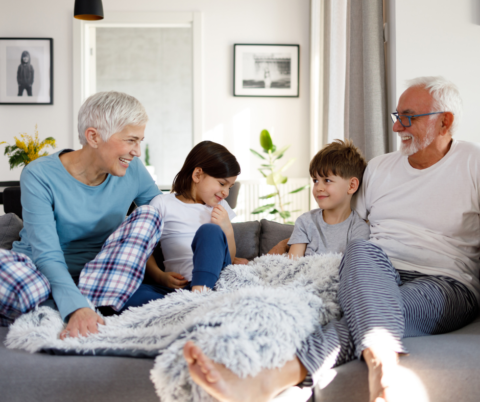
237 122
442 37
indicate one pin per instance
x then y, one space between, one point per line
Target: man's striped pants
381 306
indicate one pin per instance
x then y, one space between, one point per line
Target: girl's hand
173 280
82 322
220 217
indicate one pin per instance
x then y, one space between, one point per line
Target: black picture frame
32 78
266 70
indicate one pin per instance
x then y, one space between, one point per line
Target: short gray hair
445 95
109 112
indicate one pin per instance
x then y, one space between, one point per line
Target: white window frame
81 55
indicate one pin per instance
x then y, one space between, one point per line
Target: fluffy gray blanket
256 319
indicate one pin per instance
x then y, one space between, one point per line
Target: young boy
337 172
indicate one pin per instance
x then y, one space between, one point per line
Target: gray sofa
439 368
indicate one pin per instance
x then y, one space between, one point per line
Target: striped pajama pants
381 306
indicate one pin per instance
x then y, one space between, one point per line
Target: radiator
250 190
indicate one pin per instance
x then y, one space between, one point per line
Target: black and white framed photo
266 70
26 71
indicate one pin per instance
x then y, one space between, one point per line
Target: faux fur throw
257 318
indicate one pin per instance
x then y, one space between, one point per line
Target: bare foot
382 367
224 385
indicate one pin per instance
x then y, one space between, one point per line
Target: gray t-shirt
332 238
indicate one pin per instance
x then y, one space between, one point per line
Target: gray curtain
365 90
355 28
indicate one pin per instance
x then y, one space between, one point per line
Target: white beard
415 144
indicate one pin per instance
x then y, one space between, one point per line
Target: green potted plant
275 177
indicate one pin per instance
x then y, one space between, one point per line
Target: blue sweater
66 222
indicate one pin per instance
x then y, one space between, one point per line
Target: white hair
445 95
109 113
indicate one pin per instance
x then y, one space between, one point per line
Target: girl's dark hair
214 159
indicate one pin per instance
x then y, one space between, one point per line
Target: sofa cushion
272 233
247 239
41 377
10 226
35 377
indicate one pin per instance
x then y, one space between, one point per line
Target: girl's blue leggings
210 256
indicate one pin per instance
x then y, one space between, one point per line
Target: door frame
81 55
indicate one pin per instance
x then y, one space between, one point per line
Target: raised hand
220 217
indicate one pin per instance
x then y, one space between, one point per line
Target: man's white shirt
427 220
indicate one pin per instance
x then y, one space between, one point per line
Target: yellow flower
21 144
27 149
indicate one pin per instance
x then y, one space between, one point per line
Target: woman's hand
240 261
172 280
220 217
82 322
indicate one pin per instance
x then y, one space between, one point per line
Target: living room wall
442 37
236 122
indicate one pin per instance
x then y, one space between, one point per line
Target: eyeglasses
402 118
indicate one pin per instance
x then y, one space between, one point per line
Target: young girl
197 240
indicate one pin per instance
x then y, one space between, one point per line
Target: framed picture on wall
266 70
26 71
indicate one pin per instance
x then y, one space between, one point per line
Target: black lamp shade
90 10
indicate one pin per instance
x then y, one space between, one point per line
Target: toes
205 364
188 352
213 376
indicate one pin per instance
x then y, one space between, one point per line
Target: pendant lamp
90 10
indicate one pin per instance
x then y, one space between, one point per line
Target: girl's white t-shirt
181 221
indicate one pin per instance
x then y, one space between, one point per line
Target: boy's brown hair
340 158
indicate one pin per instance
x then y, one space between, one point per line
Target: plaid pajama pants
108 280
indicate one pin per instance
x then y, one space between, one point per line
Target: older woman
74 202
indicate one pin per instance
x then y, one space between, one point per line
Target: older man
417 275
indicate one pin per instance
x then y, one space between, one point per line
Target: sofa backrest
272 233
254 238
247 239
10 226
